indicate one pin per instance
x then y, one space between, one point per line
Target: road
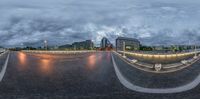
85 76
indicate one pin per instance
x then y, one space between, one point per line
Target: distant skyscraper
105 42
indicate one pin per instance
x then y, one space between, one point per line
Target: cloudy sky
157 22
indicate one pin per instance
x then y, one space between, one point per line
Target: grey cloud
60 21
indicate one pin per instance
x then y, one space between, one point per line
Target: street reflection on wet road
33 74
22 58
22 61
92 61
46 65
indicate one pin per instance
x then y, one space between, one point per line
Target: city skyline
43 43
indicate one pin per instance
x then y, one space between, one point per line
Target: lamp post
124 49
195 51
75 47
45 44
22 45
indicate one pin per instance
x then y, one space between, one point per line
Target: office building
130 43
84 45
105 43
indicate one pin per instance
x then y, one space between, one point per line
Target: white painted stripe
133 87
4 67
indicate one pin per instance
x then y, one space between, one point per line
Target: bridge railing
158 53
162 67
3 52
160 56
57 52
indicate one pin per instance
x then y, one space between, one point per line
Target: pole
45 44
195 50
124 49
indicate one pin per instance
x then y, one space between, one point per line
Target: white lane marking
4 67
133 87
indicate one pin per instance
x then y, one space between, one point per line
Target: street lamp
195 50
124 48
45 44
74 47
22 45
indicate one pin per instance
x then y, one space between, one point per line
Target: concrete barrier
3 70
58 52
163 68
2 50
160 58
3 53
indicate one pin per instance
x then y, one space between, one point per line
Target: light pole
22 45
190 46
124 49
75 47
45 44
195 50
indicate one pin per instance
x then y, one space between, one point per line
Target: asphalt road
85 76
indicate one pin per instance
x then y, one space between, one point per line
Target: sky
153 22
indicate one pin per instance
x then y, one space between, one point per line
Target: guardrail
158 67
3 69
160 55
3 52
160 58
57 52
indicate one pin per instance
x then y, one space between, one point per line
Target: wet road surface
85 76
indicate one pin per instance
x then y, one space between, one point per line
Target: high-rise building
105 43
130 43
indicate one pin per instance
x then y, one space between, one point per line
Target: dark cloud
59 21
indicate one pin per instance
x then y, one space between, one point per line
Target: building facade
130 43
84 45
105 42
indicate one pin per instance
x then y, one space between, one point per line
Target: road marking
133 87
4 67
